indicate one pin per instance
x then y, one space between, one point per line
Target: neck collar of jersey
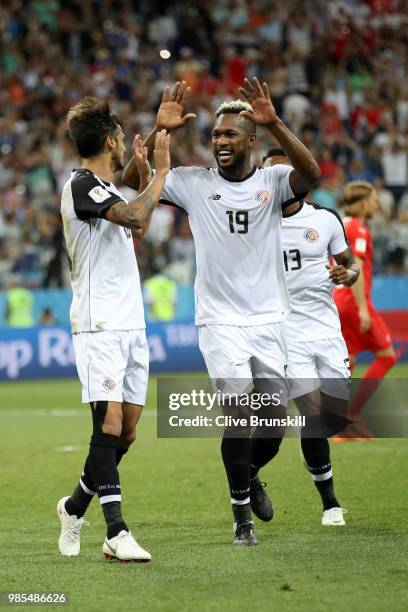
237 180
107 183
294 212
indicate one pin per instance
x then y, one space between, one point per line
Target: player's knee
112 426
381 365
388 361
105 421
127 438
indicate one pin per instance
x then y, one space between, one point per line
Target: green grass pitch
176 503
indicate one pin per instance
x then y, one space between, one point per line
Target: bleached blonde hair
353 194
233 107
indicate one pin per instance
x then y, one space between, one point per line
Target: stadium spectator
336 70
19 305
328 166
47 317
160 295
398 240
395 163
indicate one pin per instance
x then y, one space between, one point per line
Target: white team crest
263 196
98 194
311 235
109 384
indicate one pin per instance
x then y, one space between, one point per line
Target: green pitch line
175 501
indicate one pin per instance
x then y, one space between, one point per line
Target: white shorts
112 365
239 358
320 364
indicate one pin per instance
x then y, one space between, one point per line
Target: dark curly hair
89 123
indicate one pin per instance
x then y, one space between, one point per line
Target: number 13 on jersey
292 260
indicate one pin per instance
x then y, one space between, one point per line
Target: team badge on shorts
109 384
311 235
263 196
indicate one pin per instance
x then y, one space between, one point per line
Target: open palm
141 159
170 115
258 97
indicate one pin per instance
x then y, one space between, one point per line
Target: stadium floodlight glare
165 54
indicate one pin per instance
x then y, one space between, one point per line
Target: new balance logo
215 196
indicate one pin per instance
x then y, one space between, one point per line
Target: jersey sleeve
358 238
338 240
279 182
90 198
178 188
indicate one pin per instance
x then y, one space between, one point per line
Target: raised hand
140 154
162 152
170 115
260 100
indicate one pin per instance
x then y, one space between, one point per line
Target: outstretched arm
137 214
170 116
306 171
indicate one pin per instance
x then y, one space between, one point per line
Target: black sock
105 475
83 494
114 520
316 452
236 456
263 450
81 498
119 454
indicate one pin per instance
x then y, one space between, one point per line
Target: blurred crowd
337 73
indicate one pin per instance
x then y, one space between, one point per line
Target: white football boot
124 547
69 542
334 516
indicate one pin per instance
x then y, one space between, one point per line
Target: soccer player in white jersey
241 297
317 354
106 314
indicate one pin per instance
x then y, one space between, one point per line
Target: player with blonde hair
363 327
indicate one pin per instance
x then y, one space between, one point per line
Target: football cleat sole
113 558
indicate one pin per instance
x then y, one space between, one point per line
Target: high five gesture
306 171
258 97
171 115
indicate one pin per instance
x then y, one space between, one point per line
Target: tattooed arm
137 214
140 157
346 271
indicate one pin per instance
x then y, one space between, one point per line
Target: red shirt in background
377 337
359 238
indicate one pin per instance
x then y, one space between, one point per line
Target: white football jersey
309 238
236 228
104 273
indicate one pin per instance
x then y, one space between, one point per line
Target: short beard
116 164
239 161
